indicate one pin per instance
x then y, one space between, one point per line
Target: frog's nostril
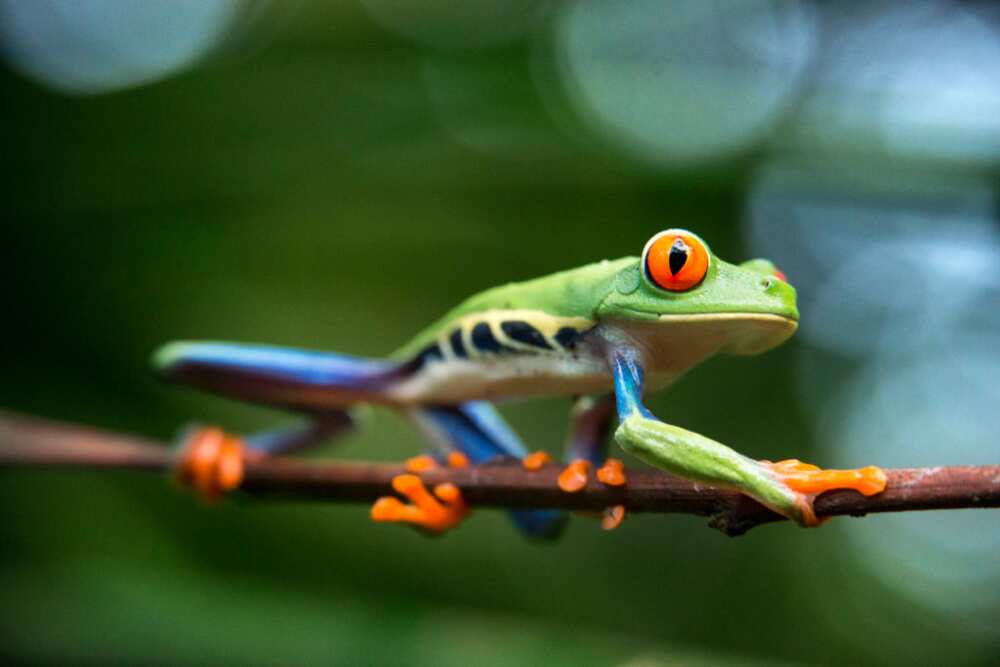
765 283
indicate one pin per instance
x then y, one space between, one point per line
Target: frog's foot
808 481
536 460
612 472
210 461
574 477
434 512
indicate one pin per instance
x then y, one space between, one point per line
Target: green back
573 293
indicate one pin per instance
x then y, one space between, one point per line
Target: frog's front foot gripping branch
787 487
808 481
586 447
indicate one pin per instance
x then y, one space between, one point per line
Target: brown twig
28 441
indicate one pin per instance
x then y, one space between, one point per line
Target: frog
604 334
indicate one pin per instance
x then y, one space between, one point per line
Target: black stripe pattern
430 353
567 337
457 345
522 332
484 341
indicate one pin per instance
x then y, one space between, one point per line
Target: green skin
738 309
601 327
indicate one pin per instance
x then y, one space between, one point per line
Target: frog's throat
703 334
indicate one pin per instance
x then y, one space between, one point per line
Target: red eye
780 275
676 260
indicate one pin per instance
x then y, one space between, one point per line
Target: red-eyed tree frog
613 328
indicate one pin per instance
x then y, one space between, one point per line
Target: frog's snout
771 282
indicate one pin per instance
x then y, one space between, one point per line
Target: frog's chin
746 333
678 341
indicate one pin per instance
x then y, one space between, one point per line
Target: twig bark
31 442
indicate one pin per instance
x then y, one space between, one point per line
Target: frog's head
678 292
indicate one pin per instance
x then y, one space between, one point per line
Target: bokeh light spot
681 82
104 45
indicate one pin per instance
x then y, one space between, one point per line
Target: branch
30 442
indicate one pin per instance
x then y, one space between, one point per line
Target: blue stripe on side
477 430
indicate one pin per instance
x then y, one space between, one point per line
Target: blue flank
477 430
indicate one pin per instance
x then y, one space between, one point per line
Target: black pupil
678 256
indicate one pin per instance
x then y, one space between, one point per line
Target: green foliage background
305 194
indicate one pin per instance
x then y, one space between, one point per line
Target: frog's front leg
788 487
587 445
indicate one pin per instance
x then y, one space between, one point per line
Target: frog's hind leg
477 431
211 461
321 385
307 381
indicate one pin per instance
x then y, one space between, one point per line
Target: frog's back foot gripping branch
478 431
322 385
210 460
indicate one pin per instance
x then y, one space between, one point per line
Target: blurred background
336 175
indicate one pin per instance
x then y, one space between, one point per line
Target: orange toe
810 479
435 512
387 508
458 460
574 477
612 472
211 462
420 463
613 517
229 472
536 460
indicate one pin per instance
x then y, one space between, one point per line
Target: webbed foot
808 481
210 461
435 513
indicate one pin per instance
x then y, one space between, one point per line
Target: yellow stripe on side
547 325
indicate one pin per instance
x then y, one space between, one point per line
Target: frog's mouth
707 333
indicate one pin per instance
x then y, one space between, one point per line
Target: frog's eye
675 260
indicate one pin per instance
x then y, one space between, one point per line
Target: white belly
457 380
